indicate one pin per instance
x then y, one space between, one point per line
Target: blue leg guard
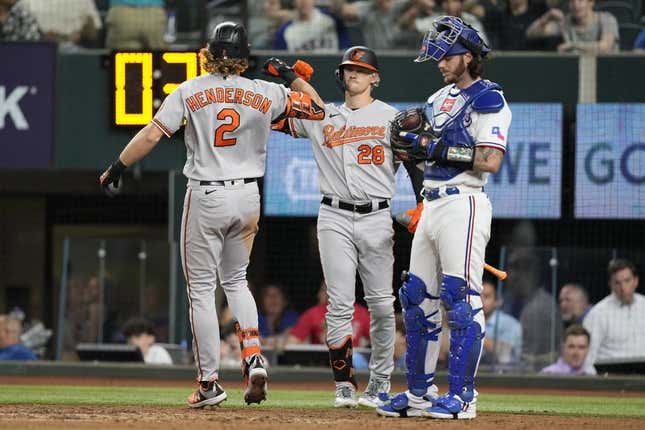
419 330
466 337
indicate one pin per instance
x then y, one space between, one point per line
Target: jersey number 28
225 114
369 155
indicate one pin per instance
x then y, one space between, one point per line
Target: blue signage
610 161
527 186
27 104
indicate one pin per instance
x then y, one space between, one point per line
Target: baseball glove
406 123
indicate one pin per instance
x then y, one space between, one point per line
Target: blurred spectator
135 24
582 29
380 21
538 313
507 26
310 327
574 304
274 317
639 43
503 340
17 23
34 335
265 18
311 30
452 8
70 23
616 322
10 346
230 351
575 347
138 332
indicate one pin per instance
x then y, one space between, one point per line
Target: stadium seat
628 33
623 10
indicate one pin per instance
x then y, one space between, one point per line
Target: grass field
624 407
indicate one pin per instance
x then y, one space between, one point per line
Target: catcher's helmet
451 36
229 40
361 56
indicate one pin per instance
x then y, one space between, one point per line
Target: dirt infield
105 417
259 418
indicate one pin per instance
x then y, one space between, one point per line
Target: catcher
460 135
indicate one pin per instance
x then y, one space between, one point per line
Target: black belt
230 182
361 209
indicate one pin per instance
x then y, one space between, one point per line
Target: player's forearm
304 87
487 159
140 145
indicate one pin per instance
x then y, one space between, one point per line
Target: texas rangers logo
357 55
447 105
495 131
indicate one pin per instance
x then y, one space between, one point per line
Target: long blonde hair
222 66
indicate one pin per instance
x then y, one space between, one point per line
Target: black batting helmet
229 40
361 56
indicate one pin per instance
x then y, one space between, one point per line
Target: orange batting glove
410 218
303 70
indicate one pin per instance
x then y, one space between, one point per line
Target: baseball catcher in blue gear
460 136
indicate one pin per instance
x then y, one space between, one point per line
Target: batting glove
277 68
109 180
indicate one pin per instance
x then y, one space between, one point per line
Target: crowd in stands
327 26
519 317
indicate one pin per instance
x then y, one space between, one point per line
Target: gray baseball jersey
356 166
227 124
227 128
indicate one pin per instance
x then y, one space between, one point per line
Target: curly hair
476 66
222 66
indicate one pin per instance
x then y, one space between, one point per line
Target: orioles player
227 127
356 168
463 140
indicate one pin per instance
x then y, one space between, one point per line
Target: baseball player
227 127
356 166
462 138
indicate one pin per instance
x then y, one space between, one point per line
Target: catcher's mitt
413 121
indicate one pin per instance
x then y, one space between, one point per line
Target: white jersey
486 129
352 150
222 136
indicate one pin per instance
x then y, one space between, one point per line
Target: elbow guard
300 105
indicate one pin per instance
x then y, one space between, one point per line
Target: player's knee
381 310
453 290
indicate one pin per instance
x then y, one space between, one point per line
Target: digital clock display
141 81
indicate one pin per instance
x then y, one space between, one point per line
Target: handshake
279 69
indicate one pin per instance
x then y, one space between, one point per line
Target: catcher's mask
450 36
229 40
361 56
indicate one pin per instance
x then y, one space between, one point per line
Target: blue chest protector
483 98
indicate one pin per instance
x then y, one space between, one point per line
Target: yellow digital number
122 117
188 59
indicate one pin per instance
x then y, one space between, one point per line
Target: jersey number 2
225 114
369 155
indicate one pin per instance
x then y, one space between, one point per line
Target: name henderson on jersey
228 95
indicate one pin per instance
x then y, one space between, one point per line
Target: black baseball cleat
208 394
255 374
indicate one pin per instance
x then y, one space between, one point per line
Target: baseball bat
499 274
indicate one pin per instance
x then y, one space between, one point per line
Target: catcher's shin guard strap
340 360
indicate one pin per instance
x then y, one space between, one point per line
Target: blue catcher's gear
451 36
466 337
419 330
